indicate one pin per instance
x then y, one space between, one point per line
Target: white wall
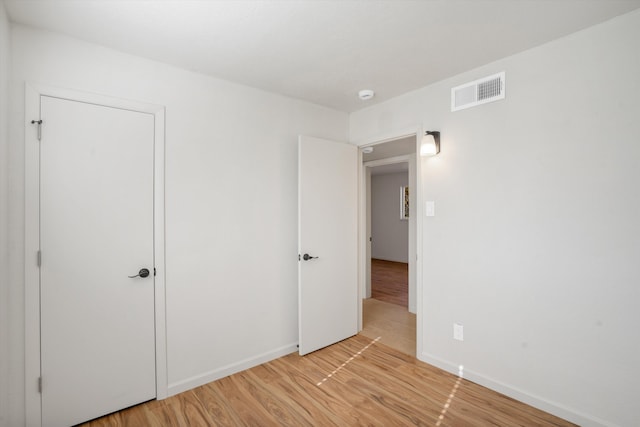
535 245
4 223
390 233
231 196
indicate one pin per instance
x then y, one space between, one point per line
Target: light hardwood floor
390 281
356 382
393 323
386 313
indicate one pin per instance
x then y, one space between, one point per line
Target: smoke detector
367 150
366 94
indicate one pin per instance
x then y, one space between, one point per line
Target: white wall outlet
430 208
458 332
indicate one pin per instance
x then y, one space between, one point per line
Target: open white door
327 242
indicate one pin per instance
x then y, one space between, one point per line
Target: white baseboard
225 371
538 402
556 409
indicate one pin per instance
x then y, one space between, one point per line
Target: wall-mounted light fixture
430 145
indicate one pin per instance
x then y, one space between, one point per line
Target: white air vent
478 92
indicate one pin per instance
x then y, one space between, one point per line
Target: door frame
416 132
33 408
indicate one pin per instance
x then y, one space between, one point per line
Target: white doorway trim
33 410
417 195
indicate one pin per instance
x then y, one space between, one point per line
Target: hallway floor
390 281
393 323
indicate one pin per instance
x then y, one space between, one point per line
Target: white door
328 236
96 229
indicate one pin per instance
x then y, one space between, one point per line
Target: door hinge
39 258
39 123
154 271
39 384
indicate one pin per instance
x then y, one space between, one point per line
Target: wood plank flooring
394 323
390 281
356 382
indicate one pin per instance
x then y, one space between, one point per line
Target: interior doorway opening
389 296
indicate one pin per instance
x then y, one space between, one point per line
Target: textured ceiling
320 51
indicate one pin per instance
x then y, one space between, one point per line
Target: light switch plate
430 208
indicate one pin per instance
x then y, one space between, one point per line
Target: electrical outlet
430 208
458 332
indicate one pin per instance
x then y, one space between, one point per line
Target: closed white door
96 229
327 242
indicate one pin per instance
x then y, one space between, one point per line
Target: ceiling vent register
478 92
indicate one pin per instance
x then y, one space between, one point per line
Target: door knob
307 257
142 273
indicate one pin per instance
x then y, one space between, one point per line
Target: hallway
386 313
